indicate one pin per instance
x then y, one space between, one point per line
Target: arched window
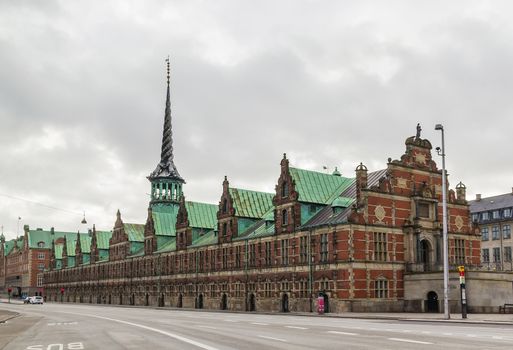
41 244
285 189
225 206
284 217
225 228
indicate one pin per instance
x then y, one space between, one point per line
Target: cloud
82 91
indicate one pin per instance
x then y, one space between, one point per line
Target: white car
36 300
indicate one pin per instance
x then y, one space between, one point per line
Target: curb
3 320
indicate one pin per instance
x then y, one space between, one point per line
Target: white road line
296 327
260 323
471 335
230 321
407 331
497 337
447 333
410 341
172 335
209 327
425 332
342 333
272 338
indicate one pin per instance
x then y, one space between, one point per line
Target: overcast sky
331 83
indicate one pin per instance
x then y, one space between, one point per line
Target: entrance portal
432 302
224 302
252 302
285 303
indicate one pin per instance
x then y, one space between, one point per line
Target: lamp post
445 239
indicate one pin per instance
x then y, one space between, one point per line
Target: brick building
350 240
23 260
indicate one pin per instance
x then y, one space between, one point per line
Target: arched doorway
147 300
179 303
109 300
424 249
326 302
432 302
132 299
161 300
252 302
120 299
285 302
200 301
224 302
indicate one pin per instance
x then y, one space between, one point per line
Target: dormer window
41 244
485 216
496 214
285 189
507 213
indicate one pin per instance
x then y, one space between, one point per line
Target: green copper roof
201 215
58 251
164 217
342 202
102 239
251 204
85 243
168 247
315 187
206 239
8 246
46 237
260 229
71 244
135 232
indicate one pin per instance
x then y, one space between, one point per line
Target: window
41 267
284 217
225 228
40 280
475 217
484 234
237 257
41 244
459 251
268 256
252 255
303 252
486 255
423 210
496 254
485 216
506 231
495 232
285 251
225 206
41 255
507 212
324 247
285 189
507 254
380 246
381 288
496 214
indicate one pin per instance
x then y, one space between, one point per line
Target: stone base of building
485 291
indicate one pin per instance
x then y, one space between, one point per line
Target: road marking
230 321
62 323
209 327
260 323
471 335
341 333
407 331
425 332
497 337
272 338
410 341
447 333
171 335
296 327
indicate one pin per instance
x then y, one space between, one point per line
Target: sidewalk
7 315
502 319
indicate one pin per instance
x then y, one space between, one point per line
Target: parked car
26 300
36 300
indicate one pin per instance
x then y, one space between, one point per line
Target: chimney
361 181
478 197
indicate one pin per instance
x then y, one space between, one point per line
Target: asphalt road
75 326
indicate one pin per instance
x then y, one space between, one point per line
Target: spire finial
166 167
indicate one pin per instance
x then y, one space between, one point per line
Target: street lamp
444 208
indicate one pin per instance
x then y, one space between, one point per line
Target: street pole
445 239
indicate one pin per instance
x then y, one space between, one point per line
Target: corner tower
166 182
